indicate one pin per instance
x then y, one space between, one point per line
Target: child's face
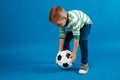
60 22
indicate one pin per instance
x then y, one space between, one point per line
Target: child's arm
73 55
61 38
61 42
76 43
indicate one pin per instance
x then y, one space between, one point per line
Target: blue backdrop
29 42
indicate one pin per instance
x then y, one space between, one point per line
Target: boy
78 26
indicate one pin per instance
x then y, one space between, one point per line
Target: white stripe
85 18
76 32
61 31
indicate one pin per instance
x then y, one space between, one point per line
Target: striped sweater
76 20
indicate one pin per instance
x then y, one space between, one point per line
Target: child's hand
73 57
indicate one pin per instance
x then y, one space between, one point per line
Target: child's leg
69 36
84 32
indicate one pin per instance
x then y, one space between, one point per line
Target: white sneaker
83 69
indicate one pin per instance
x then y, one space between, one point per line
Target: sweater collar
67 20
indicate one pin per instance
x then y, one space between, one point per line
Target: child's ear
65 18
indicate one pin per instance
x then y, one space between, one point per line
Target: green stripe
61 37
77 37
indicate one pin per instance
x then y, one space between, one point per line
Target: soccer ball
63 60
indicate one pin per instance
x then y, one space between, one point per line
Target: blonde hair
56 13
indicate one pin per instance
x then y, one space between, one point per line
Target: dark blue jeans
84 32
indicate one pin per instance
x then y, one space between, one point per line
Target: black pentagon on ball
65 64
59 57
68 55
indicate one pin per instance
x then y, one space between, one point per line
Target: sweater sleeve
62 33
